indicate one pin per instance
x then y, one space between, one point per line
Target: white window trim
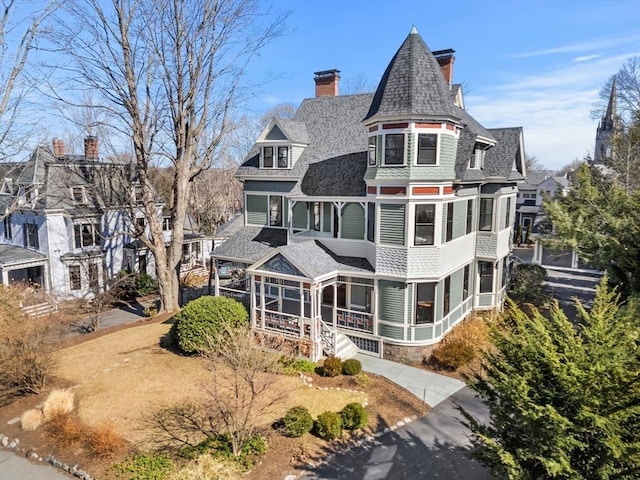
83 199
415 154
375 151
404 150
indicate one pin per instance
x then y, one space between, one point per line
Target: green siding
268 186
353 221
285 211
410 147
391 301
300 215
392 224
448 148
257 208
276 134
456 289
459 219
326 214
443 229
423 332
391 331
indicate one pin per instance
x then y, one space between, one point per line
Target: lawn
124 376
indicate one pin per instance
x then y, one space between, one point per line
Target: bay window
424 227
425 299
486 215
427 146
373 151
486 276
394 149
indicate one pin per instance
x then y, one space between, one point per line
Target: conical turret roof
413 84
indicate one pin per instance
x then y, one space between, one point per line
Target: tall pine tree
564 401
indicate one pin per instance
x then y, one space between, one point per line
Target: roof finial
414 30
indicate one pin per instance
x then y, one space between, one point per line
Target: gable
275 134
279 264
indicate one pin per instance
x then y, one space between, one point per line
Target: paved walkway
427 386
16 467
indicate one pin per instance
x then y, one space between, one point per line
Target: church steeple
606 128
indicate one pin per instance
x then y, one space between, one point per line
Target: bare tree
169 72
533 165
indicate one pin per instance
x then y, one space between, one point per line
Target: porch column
262 312
252 305
301 322
334 316
374 307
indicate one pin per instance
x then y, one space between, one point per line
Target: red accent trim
426 190
446 190
258 278
428 125
393 190
372 190
306 285
390 126
373 129
450 127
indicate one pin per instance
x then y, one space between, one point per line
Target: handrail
327 336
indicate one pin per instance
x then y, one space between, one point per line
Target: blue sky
537 64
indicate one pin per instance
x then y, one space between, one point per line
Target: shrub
332 366
31 420
463 345
103 441
66 430
296 422
293 366
354 416
220 446
58 402
255 446
361 380
201 319
328 425
526 285
145 284
351 366
153 466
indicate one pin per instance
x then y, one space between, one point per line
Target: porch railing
290 325
360 321
327 336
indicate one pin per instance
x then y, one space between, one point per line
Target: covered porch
23 266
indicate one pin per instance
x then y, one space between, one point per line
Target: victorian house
375 222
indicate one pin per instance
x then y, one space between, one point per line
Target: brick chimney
445 60
91 148
58 148
327 83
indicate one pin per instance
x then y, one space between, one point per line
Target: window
507 215
424 233
465 283
31 235
137 194
486 277
28 194
425 296
93 276
446 303
477 157
267 157
8 232
316 216
427 143
140 222
166 224
283 157
78 195
486 215
75 282
469 216
372 151
275 211
449 231
505 272
86 235
142 263
371 222
394 149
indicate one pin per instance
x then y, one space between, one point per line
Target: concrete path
427 386
433 447
15 467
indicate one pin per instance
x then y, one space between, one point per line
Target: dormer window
78 195
427 149
477 157
283 157
267 157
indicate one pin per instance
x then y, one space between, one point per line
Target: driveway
433 447
566 286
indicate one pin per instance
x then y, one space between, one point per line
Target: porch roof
14 255
314 260
250 244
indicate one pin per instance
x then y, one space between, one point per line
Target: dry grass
104 441
66 430
206 467
463 346
31 420
59 402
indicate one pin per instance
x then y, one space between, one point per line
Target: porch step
38 310
345 348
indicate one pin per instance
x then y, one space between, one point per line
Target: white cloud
585 58
597 44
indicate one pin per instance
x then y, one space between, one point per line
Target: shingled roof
500 159
413 84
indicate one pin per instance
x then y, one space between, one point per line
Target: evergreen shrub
296 422
354 416
332 367
328 425
351 366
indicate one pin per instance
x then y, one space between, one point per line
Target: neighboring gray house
531 193
378 221
66 229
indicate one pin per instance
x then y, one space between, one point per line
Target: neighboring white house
377 221
531 193
63 229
